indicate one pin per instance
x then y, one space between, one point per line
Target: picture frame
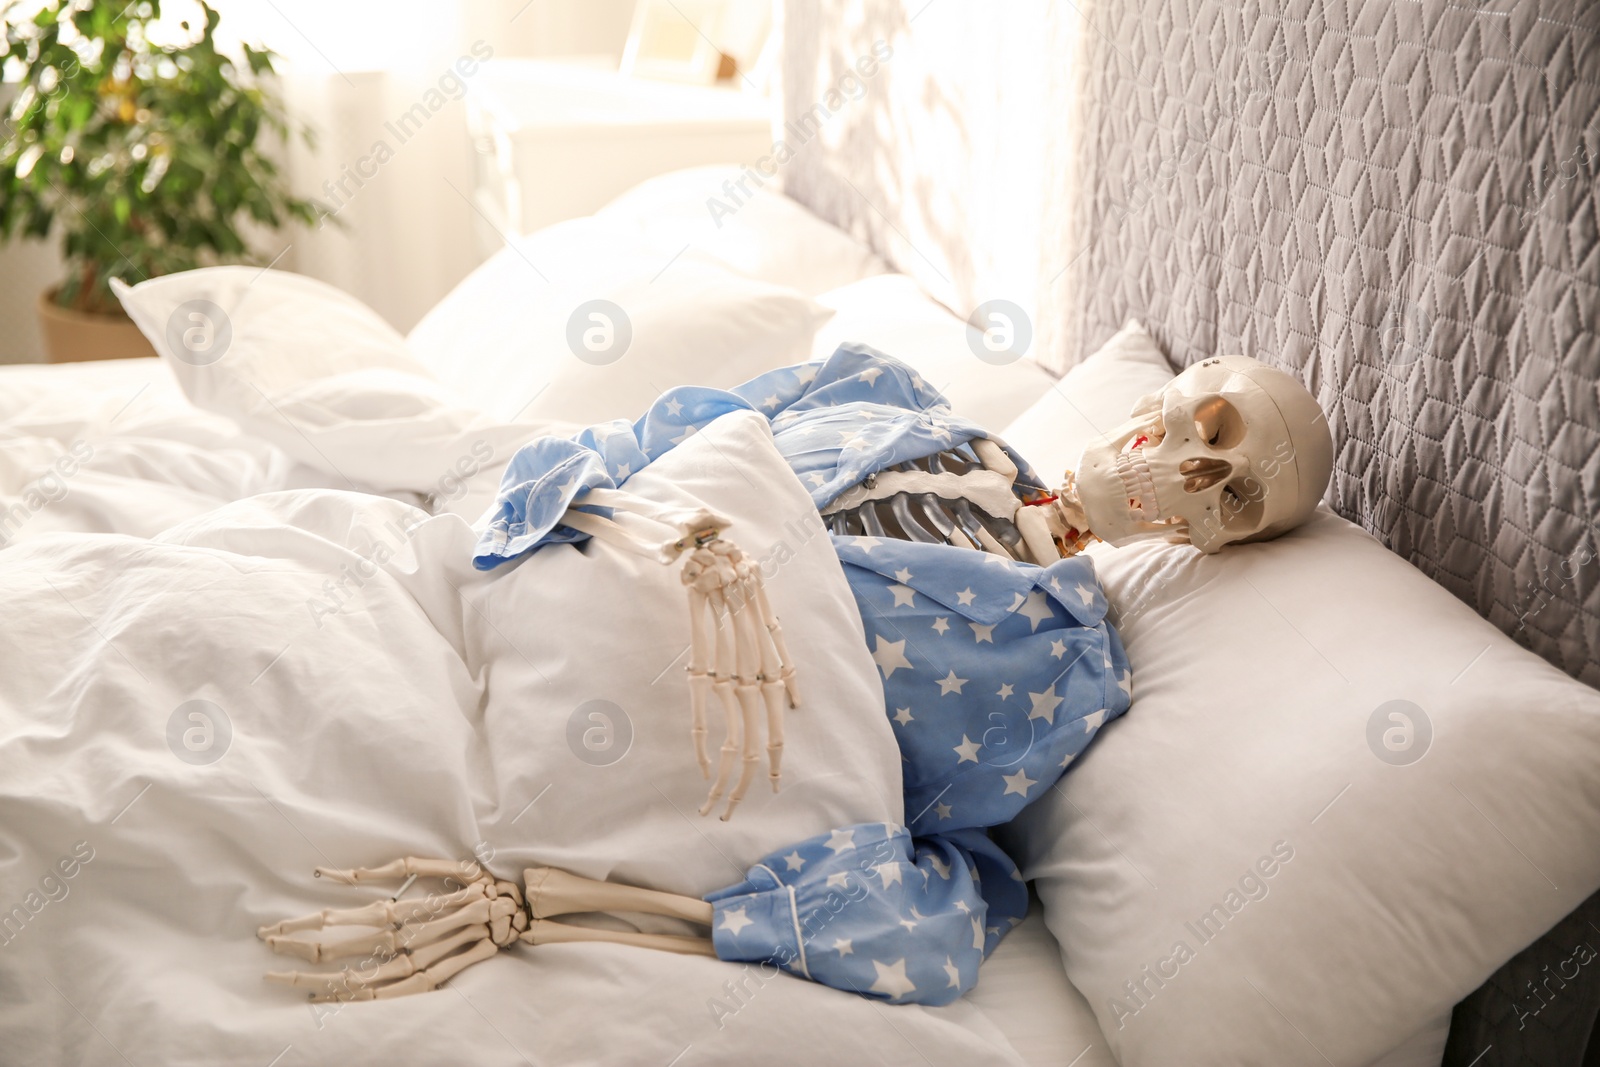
671 40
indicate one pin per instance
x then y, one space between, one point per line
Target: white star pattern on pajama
890 656
892 981
1044 705
1018 783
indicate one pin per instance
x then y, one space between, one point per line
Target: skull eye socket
1219 423
1243 504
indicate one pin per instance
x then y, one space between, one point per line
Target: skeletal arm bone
994 458
552 892
1038 533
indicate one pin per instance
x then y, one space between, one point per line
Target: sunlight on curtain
380 82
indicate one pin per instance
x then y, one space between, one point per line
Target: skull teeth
1137 484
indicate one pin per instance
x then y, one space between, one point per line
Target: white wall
551 27
25 269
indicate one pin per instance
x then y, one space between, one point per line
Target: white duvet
116 448
368 695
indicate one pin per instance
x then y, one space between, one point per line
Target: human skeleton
1231 450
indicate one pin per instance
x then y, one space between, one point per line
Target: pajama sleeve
869 910
546 475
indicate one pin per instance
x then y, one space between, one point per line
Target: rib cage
927 517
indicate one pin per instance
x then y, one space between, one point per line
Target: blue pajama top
996 675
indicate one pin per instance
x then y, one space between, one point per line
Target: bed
155 461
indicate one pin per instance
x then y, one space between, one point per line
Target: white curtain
379 83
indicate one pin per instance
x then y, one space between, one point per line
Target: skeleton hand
750 656
418 945
722 580
408 946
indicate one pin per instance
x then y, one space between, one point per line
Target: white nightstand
559 139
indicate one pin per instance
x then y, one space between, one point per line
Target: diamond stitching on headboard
1399 202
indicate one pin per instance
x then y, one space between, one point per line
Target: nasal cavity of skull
1203 473
1218 423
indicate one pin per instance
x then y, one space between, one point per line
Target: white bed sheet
1024 991
145 951
115 447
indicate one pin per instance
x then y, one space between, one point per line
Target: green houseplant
144 156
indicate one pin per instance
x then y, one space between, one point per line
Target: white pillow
633 819
316 372
757 232
1260 760
281 327
892 314
1093 397
578 322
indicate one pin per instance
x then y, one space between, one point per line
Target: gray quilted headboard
1395 199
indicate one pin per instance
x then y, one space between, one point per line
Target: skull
1231 450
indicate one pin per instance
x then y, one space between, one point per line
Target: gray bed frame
1396 200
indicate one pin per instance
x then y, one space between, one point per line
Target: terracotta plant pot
73 336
